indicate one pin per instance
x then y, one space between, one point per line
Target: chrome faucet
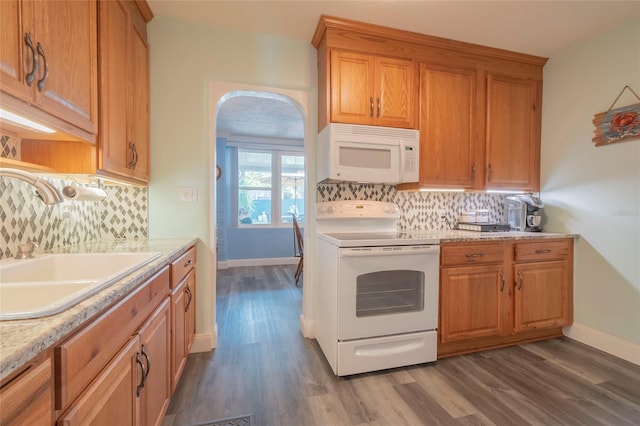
25 251
47 192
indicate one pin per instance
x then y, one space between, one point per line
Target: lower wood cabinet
155 338
476 303
183 327
121 367
111 398
495 294
28 399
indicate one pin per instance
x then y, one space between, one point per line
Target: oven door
387 290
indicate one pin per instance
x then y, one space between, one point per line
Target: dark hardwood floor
264 367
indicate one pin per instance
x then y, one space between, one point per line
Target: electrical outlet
189 194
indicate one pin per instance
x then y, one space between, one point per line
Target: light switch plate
189 194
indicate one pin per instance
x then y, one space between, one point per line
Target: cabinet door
542 296
447 126
474 303
28 400
395 92
111 397
115 26
352 97
139 108
66 43
178 328
155 337
513 133
16 58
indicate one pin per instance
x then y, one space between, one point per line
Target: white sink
46 285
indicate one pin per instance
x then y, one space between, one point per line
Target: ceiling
540 28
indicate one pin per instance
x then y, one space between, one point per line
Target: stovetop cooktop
376 239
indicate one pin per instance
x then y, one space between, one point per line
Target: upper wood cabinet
478 108
368 89
122 151
513 121
448 130
124 91
49 61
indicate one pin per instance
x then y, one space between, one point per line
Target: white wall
595 192
184 59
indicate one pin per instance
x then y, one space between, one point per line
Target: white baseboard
307 328
605 342
266 261
204 342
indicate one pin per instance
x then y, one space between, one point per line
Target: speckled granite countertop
462 236
23 340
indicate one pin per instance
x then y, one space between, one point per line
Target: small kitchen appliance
377 288
368 154
524 212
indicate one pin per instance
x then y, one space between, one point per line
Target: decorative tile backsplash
10 147
418 210
24 217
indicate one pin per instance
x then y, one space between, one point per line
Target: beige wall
595 192
184 59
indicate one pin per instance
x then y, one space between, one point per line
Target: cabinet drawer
80 358
542 250
182 265
472 253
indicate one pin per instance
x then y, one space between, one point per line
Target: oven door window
389 292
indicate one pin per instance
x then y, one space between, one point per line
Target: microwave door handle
402 161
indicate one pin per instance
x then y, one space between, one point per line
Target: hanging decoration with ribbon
617 125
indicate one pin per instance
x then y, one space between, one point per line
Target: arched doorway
235 96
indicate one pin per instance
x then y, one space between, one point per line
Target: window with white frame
270 187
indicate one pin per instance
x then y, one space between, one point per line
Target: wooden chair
298 248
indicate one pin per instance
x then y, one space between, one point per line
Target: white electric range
377 288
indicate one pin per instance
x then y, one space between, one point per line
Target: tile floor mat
230 421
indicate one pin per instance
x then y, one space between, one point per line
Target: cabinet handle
470 255
31 75
190 296
473 171
371 106
43 80
543 251
187 263
520 279
141 385
146 356
378 100
490 173
502 283
134 156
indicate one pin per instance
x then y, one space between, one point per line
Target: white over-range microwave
368 154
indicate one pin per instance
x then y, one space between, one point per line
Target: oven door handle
380 251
